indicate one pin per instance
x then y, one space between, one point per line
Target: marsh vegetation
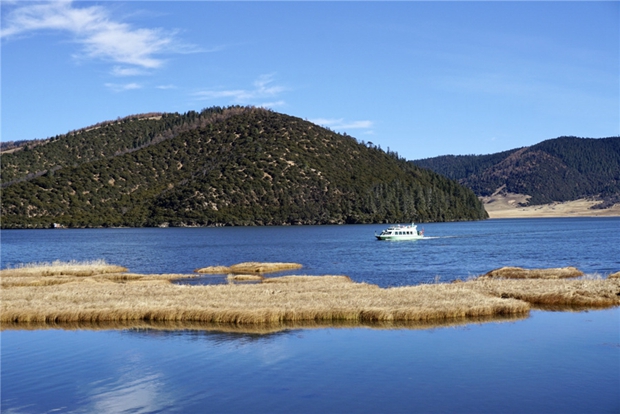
96 293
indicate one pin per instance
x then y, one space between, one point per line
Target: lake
564 362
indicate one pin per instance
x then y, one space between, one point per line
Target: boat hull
399 237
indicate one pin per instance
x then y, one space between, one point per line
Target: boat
401 232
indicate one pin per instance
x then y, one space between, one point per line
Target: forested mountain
561 169
233 166
104 140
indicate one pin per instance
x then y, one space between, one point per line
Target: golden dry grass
9 280
58 268
256 267
298 279
244 278
520 273
593 293
217 270
124 297
154 298
250 267
614 275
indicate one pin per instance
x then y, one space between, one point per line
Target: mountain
222 166
556 170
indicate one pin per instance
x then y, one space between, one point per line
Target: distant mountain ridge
555 170
220 166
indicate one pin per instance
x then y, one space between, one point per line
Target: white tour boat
400 232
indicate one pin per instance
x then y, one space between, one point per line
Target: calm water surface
452 250
564 362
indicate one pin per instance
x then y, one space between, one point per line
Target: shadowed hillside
556 170
234 166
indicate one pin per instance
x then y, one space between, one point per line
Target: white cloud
116 87
127 71
93 28
340 123
271 104
263 89
164 87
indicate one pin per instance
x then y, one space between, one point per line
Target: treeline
561 169
236 166
458 167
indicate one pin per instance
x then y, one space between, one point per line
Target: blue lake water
564 362
452 250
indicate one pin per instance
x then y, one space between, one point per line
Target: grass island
102 294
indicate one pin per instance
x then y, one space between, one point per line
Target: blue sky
422 78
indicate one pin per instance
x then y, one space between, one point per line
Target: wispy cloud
127 71
340 123
99 34
273 104
263 88
117 87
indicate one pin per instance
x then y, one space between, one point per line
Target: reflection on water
171 327
550 362
130 394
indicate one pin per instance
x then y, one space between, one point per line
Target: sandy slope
507 206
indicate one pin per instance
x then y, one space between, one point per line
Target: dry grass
216 270
520 273
507 206
614 275
154 298
126 298
10 280
250 267
256 267
593 293
58 268
298 279
245 278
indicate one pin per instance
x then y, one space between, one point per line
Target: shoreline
507 206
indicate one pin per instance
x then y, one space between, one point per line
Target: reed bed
316 299
520 273
11 280
216 270
298 279
583 293
125 298
250 267
58 268
245 278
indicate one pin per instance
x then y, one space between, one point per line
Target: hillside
24 160
556 170
234 166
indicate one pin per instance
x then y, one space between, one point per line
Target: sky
420 78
